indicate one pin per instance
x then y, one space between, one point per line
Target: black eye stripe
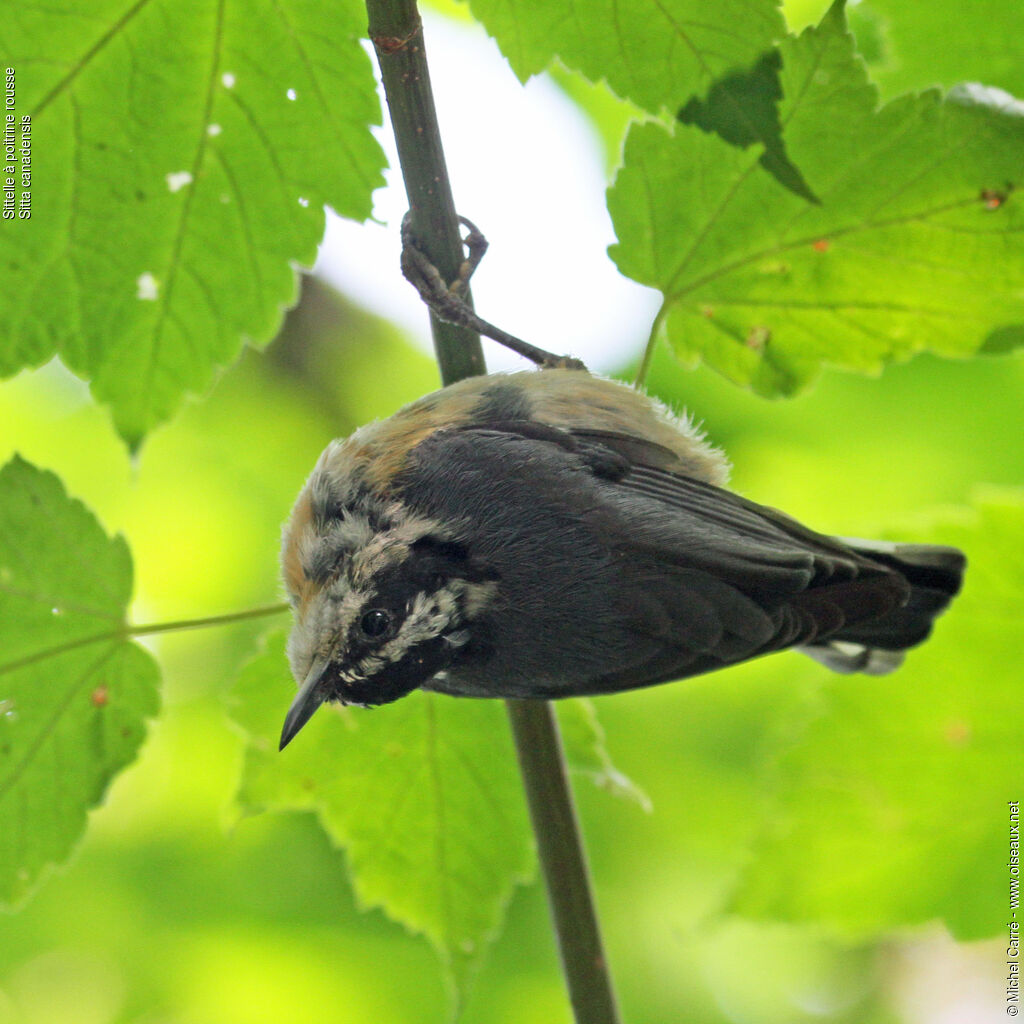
447 550
404 581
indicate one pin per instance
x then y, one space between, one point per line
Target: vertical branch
560 847
397 35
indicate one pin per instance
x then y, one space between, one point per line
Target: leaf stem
148 629
125 630
652 341
397 35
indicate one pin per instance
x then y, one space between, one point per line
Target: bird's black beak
307 700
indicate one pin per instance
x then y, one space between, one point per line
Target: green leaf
892 808
74 693
915 243
942 43
586 752
182 156
743 109
423 794
656 54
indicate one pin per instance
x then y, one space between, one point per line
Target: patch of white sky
528 168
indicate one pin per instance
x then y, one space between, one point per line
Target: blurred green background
174 912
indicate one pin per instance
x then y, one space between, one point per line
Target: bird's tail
934 573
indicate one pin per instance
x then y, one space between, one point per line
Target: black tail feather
934 574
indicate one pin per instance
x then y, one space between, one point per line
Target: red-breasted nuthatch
553 534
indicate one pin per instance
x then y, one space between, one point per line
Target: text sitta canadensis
553 534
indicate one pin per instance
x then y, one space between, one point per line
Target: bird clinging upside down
552 534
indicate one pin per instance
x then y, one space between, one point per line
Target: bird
552 533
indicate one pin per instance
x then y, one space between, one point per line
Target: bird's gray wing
683 577
811 586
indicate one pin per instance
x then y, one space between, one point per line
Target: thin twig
397 35
125 631
445 298
560 847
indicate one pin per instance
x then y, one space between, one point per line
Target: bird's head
383 598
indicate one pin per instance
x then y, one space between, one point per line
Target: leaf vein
19 768
186 208
79 66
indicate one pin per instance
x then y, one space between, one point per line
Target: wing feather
694 576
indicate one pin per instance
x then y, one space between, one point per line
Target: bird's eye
375 623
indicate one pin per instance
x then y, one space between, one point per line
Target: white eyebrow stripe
426 619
